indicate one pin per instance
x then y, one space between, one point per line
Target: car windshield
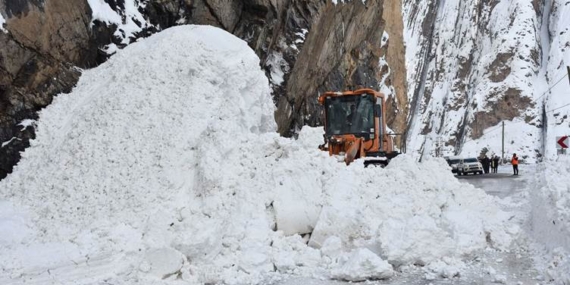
350 114
470 160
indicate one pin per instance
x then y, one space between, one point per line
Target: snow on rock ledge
168 151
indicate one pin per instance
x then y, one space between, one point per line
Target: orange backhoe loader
355 127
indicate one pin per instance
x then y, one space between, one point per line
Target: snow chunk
295 208
362 264
163 263
332 247
446 268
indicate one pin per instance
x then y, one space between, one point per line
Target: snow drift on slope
551 217
163 164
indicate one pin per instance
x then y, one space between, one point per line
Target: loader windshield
350 115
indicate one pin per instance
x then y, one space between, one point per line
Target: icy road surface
489 266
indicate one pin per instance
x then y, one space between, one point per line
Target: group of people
493 162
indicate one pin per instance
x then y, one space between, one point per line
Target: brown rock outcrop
397 105
38 59
341 52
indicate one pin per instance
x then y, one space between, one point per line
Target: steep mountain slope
557 102
473 65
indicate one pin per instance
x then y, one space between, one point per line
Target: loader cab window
350 115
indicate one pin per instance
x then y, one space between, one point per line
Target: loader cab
355 126
354 115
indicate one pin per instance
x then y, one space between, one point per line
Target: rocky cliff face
473 65
41 46
306 47
342 51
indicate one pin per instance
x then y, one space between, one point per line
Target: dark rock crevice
329 60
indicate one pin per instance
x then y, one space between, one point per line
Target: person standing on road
485 162
515 163
495 163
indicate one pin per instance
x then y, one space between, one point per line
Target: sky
164 164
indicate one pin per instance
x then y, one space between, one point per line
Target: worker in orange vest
515 163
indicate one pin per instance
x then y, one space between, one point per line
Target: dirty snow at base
163 164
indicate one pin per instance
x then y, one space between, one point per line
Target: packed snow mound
126 132
551 217
163 165
410 213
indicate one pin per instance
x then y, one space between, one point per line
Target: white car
469 165
453 162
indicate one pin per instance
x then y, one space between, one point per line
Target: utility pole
503 144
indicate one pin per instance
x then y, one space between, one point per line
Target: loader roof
357 92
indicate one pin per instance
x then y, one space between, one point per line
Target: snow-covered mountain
474 65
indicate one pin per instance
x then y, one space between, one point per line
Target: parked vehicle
469 165
453 161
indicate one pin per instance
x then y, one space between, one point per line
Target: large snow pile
163 164
551 217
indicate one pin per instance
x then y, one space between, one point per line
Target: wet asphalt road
503 183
